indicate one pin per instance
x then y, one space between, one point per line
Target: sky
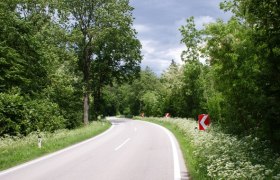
158 21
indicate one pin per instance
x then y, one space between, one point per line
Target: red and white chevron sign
203 121
167 115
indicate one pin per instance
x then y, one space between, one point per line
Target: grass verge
186 148
14 150
185 145
212 154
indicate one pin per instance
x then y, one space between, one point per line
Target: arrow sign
203 121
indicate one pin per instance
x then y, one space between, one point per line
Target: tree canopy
55 54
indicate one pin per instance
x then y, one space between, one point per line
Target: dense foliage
53 54
105 44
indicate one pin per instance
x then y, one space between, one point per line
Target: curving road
129 150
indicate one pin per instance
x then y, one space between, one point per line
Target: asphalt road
129 150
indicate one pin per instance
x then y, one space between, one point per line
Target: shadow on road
118 121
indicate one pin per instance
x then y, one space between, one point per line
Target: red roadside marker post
203 121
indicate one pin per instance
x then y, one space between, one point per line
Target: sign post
39 142
203 121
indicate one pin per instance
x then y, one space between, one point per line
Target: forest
56 57
66 63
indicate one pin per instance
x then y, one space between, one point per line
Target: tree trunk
86 108
86 72
97 103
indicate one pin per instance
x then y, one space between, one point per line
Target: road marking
135 129
177 172
176 164
121 145
53 154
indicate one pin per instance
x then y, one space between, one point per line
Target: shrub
11 114
44 115
21 116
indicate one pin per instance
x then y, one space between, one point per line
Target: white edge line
117 148
53 154
177 172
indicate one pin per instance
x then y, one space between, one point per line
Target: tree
21 63
151 104
133 97
102 37
82 17
25 70
191 37
172 82
193 92
117 51
262 18
58 59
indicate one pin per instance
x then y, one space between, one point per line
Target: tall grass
16 150
214 155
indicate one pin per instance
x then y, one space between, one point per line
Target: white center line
117 148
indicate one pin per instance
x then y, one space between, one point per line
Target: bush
44 115
21 116
12 116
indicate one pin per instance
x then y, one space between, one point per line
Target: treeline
239 85
55 58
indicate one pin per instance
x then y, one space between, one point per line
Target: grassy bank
14 150
214 155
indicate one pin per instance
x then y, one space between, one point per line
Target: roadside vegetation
64 63
56 57
212 154
16 150
230 70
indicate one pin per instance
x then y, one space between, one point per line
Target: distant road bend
129 150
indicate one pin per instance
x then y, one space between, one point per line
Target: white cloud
157 64
148 46
175 53
158 56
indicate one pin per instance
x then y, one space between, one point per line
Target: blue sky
157 23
